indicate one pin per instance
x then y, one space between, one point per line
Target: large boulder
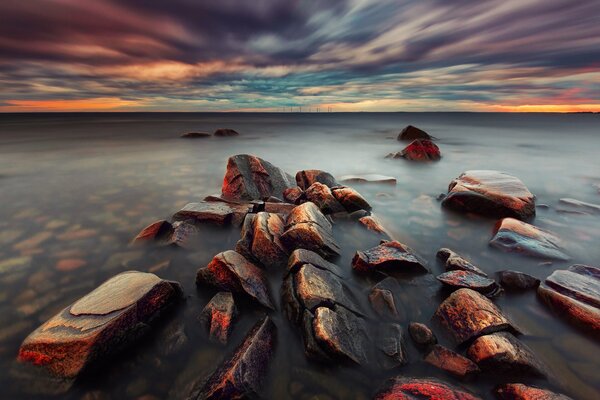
420 150
214 212
307 178
252 178
490 193
232 272
260 239
390 256
242 376
218 317
519 391
405 388
451 362
412 132
99 324
514 236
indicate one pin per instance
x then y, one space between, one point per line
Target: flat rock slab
490 193
467 314
580 205
404 388
580 286
368 178
307 178
218 317
503 353
299 257
519 391
467 279
453 261
389 256
451 362
252 178
230 271
242 376
261 239
322 196
514 236
420 150
412 132
350 199
515 280
99 324
215 212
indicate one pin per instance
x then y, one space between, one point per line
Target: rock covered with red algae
420 150
405 388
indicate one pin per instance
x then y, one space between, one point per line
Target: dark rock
373 224
172 339
391 345
225 132
350 199
467 279
184 234
218 317
195 135
382 299
252 178
467 315
502 353
412 132
515 236
421 334
518 391
420 150
260 239
157 232
368 178
293 195
321 195
490 193
388 256
307 178
300 257
451 362
454 262
242 376
230 271
515 280
99 324
404 388
217 213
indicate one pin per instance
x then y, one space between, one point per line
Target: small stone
454 262
515 280
33 241
223 132
451 362
467 279
421 334
77 234
581 205
388 256
218 317
382 299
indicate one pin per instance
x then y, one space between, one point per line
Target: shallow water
81 186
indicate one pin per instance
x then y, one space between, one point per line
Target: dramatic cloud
353 55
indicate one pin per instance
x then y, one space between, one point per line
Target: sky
279 55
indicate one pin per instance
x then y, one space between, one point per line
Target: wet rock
307 228
412 132
172 339
503 353
372 223
515 236
230 271
454 262
252 178
300 257
576 283
307 178
470 280
99 324
451 362
515 280
222 132
184 234
404 388
260 239
421 334
217 213
518 391
283 209
218 317
580 205
490 193
389 256
467 315
391 345
350 199
382 299
156 232
322 196
195 135
368 178
293 195
242 375
420 150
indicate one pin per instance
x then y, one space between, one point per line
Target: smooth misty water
84 185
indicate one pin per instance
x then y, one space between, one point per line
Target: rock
159 231
575 283
580 205
293 195
252 178
490 193
451 362
218 317
299 257
382 299
222 132
307 178
321 195
70 264
467 315
502 353
242 375
388 256
172 339
391 345
373 224
404 388
454 262
350 199
467 279
518 391
420 150
260 239
421 334
368 178
307 228
195 135
412 132
515 280
99 324
184 234
217 213
230 271
514 236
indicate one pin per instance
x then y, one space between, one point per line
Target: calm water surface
81 186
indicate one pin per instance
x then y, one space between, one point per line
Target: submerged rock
467 315
368 178
490 193
420 150
519 391
412 132
404 388
467 279
389 256
580 205
195 135
382 299
515 280
322 196
451 362
350 199
372 223
225 132
260 239
99 324
252 178
454 262
307 178
230 271
421 334
515 236
218 317
217 213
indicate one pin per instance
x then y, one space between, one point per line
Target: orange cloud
554 108
95 104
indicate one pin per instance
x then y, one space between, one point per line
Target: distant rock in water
412 132
368 178
222 132
195 135
490 193
420 150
